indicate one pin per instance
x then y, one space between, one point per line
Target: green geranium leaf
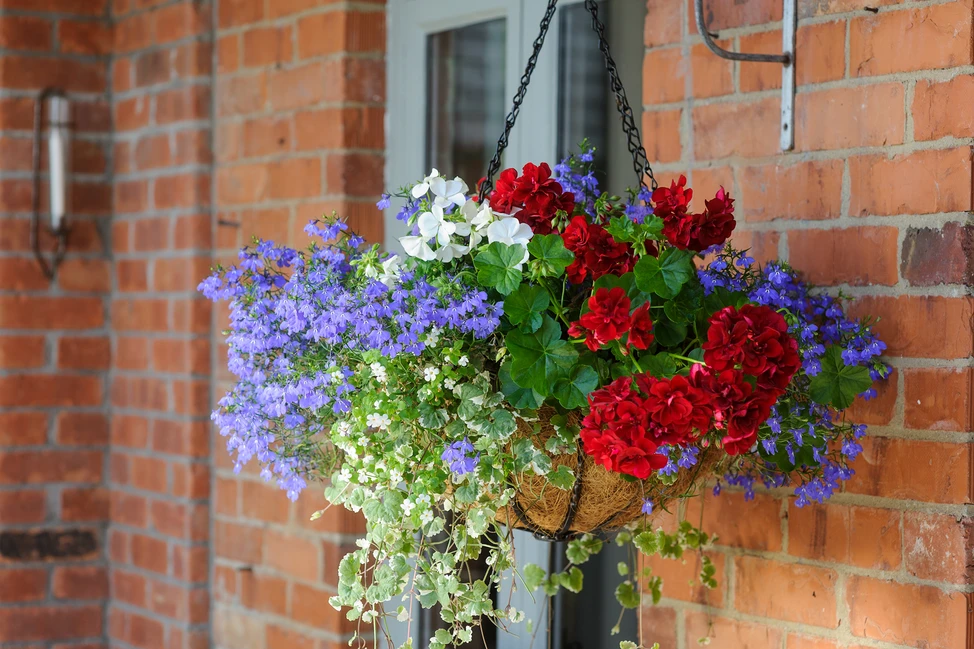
684 307
497 267
549 250
669 333
572 580
516 395
627 595
562 477
666 275
526 306
533 576
647 542
660 365
580 550
572 391
838 384
540 358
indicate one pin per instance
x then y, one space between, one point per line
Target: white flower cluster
456 225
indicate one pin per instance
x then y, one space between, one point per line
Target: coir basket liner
600 501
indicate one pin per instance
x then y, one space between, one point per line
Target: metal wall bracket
789 25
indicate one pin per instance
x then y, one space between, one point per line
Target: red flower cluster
596 252
609 319
752 341
535 194
695 232
750 360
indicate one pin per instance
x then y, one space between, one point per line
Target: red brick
309 605
823 56
724 15
239 12
140 315
181 356
26 33
33 73
681 578
661 133
341 31
242 184
333 519
809 8
725 633
937 547
722 516
131 353
228 53
240 95
140 393
22 506
181 20
262 592
182 105
936 619
80 582
264 502
295 178
938 399
911 470
879 409
267 46
21 274
297 87
84 505
191 397
129 509
919 326
192 232
934 103
152 234
131 196
357 127
934 256
181 437
283 638
267 136
84 353
355 80
22 585
802 593
762 245
239 542
711 75
663 75
849 117
176 274
32 624
149 473
153 68
857 256
23 428
291 555
149 553
23 312
858 536
191 316
50 390
133 32
182 190
354 174
191 564
128 587
727 129
36 467
924 182
664 22
912 39
753 78
21 352
90 38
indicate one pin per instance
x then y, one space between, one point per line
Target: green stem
689 360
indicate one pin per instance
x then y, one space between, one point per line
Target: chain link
640 163
495 162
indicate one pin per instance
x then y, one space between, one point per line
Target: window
453 67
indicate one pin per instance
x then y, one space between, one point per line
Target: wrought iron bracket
789 25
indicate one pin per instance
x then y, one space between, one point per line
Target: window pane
465 98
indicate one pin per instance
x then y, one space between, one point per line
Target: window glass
465 98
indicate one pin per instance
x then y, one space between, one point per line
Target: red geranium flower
678 407
534 197
715 225
641 327
672 201
596 252
756 339
607 319
743 420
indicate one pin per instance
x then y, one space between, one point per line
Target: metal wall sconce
53 103
789 25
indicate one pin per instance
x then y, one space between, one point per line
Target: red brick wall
160 392
875 199
54 342
300 94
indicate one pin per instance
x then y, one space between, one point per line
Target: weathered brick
663 76
724 633
918 325
737 128
924 182
805 191
661 133
856 256
858 536
849 117
934 103
938 399
907 614
802 594
934 256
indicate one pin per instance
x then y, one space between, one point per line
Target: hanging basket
600 501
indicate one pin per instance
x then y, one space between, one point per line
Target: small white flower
377 404
391 270
451 251
464 361
395 476
337 376
449 384
430 373
420 189
433 337
344 428
345 474
435 224
510 231
426 517
408 506
379 372
375 420
363 543
423 498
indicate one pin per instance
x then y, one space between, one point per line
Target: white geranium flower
420 189
448 191
430 373
510 231
391 270
435 224
451 251
417 247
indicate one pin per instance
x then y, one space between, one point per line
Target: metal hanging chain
640 162
495 162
